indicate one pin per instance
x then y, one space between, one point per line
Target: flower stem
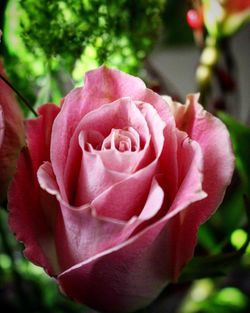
204 73
19 95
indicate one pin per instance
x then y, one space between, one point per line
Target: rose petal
102 86
80 235
213 138
126 198
11 134
154 201
129 276
80 232
110 84
93 178
119 114
168 162
182 233
123 267
63 128
155 124
114 160
32 211
190 171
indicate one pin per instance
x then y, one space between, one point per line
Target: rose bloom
112 187
11 134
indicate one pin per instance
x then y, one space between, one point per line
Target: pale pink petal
32 211
47 180
102 86
81 233
168 162
155 124
118 115
154 201
126 198
115 160
126 161
123 278
214 141
63 129
127 276
190 172
106 85
138 269
93 178
190 191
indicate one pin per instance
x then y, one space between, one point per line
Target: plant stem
19 95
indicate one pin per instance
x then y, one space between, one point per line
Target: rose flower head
119 180
11 134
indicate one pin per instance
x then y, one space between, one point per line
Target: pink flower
11 134
118 181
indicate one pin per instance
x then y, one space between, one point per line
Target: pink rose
11 134
112 187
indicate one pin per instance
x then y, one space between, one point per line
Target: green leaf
219 264
212 266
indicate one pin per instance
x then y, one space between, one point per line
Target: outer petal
80 233
11 121
105 85
213 138
32 211
189 187
121 279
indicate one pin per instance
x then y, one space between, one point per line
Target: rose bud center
122 140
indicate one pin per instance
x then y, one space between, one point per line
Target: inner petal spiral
126 139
